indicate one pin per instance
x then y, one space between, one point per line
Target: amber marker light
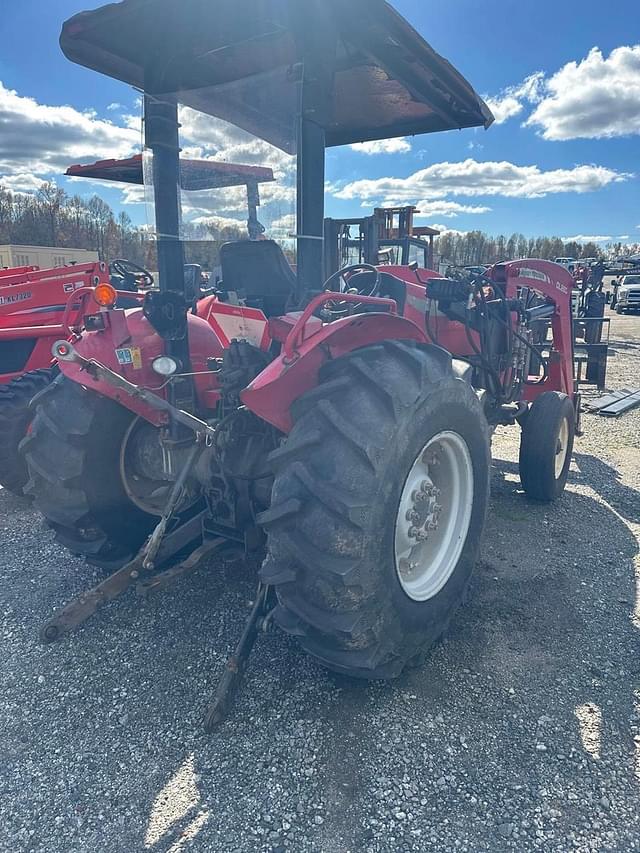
105 295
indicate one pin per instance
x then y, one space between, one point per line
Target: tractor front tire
389 435
546 446
15 417
72 453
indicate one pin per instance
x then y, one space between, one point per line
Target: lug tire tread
15 416
71 482
331 596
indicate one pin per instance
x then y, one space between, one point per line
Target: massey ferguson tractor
336 431
35 309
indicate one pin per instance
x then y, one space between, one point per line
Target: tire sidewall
565 413
445 410
538 446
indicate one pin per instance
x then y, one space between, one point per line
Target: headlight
165 366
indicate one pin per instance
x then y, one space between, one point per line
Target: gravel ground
521 732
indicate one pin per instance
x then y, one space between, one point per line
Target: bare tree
52 197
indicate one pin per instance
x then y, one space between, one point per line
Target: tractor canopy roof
194 174
386 80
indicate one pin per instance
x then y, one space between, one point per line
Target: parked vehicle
568 263
628 295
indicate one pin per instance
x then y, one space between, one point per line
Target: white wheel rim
562 448
434 515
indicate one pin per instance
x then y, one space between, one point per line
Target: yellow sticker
130 357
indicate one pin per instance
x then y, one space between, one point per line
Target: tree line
52 217
476 247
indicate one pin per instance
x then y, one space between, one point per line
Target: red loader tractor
36 308
337 430
34 305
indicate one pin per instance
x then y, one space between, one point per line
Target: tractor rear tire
72 453
15 417
546 446
338 508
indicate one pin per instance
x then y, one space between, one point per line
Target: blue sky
563 160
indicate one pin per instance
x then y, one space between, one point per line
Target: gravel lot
521 732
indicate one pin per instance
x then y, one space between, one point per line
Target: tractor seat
258 271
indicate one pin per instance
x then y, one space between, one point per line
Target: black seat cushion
258 271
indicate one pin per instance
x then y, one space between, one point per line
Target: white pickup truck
567 263
628 294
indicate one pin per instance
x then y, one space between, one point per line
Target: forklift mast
367 239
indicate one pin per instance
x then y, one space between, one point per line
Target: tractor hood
387 80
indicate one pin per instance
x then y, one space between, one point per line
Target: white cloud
114 106
38 141
444 229
624 237
449 209
531 88
383 146
43 140
588 238
473 178
596 98
282 228
134 122
511 101
504 108
219 221
21 182
208 138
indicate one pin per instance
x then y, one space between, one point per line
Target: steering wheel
341 277
124 268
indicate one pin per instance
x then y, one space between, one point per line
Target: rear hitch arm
87 603
66 352
80 609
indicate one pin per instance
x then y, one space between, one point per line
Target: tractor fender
128 345
272 394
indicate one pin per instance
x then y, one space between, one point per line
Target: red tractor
36 308
338 430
